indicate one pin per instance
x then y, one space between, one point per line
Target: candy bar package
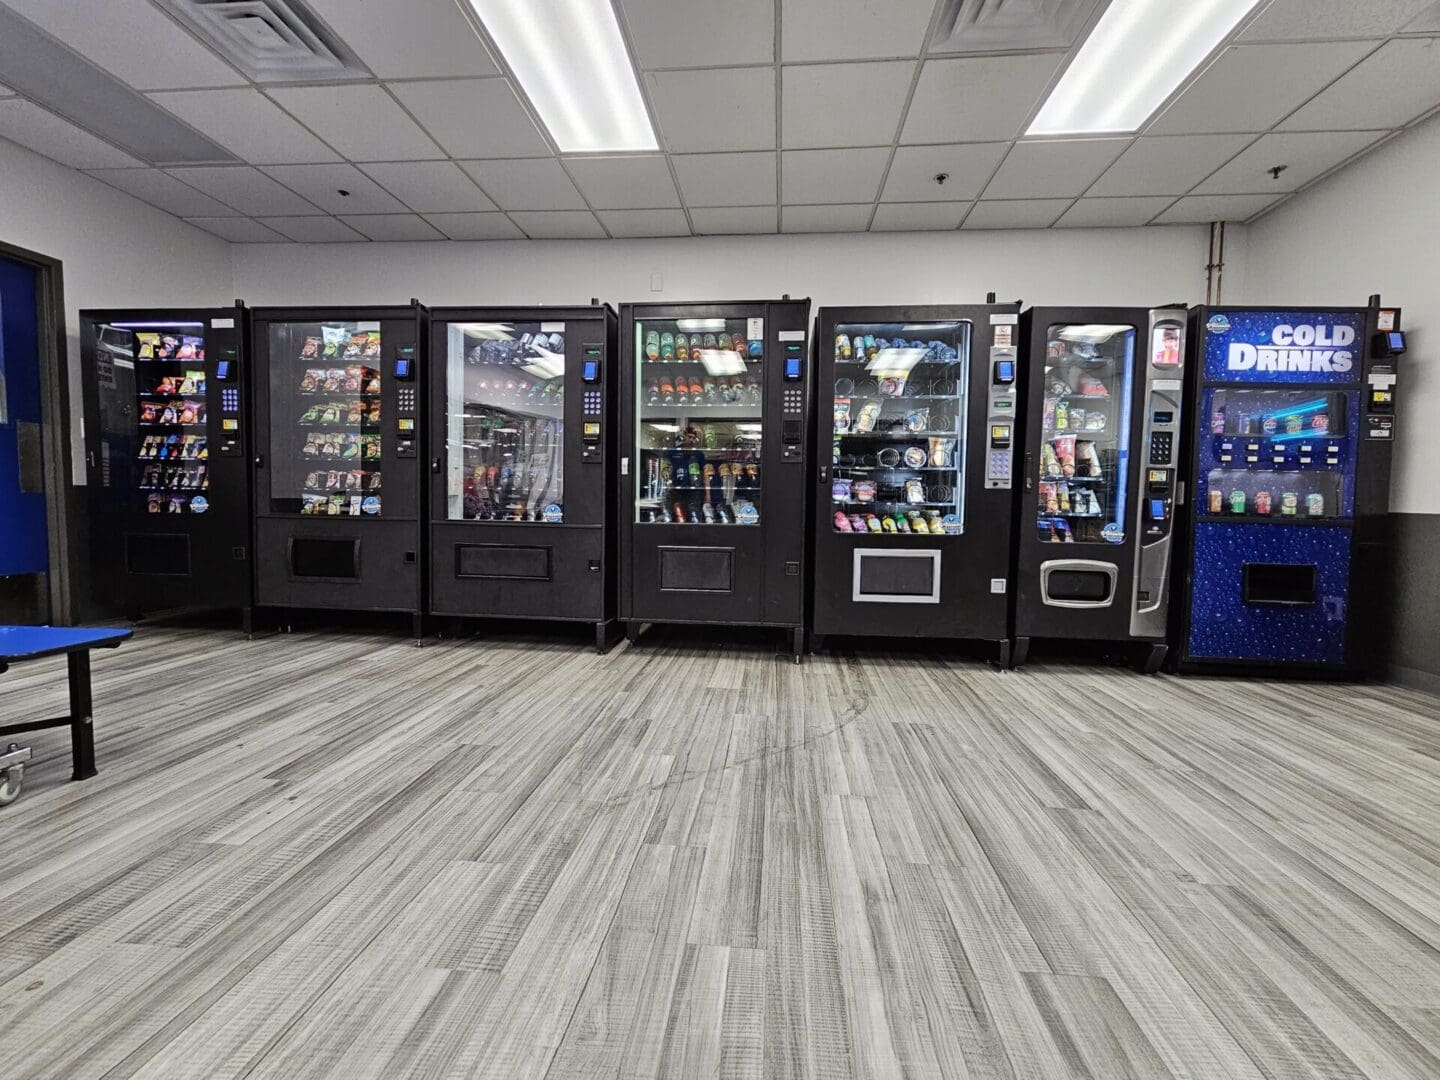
334 338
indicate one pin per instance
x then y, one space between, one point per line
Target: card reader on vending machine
1000 461
792 420
592 374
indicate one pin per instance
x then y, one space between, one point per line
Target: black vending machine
715 403
915 472
338 459
522 464
1105 409
166 439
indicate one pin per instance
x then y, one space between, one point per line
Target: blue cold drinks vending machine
1294 422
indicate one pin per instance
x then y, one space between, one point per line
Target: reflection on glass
1084 442
171 449
325 418
700 422
1275 454
898 448
505 435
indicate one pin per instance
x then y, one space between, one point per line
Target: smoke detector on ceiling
990 26
272 41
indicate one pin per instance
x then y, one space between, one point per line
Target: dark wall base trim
1412 679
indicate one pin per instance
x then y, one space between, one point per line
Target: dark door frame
55 417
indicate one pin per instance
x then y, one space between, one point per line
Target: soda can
1237 501
1217 501
1270 425
1262 503
1289 504
1294 424
1315 504
1320 422
1217 422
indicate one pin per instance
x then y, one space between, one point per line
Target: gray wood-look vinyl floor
340 856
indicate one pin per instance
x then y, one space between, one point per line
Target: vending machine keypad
1162 448
593 402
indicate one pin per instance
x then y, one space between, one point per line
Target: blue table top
31 642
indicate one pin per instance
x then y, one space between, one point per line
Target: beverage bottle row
695 391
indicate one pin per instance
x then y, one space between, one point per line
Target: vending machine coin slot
592 447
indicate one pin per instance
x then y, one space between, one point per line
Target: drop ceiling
772 115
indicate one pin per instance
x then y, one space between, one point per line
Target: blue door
24 551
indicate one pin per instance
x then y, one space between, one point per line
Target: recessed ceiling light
573 65
1138 54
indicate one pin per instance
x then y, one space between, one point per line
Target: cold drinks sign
1283 346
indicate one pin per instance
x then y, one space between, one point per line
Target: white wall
1373 228
117 251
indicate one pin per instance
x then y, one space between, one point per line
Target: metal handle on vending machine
1029 471
437 464
259 461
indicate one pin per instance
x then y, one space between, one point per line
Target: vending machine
1105 412
166 439
714 459
1294 420
522 465
338 459
915 478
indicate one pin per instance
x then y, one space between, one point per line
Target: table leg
82 724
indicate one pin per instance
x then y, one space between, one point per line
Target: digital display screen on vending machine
402 369
222 370
792 369
590 371
1005 372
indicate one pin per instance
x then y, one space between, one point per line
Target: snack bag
869 415
353 374
311 348
169 346
148 346
842 414
372 343
357 344
191 348
334 338
312 380
372 381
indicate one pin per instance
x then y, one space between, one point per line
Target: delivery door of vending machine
522 477
338 458
715 403
1104 413
915 472
166 438
1294 420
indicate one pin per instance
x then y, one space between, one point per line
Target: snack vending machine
522 455
338 458
715 403
1104 417
916 472
1294 417
166 438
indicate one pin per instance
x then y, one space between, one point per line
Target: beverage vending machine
915 472
166 439
1104 417
522 464
338 458
715 407
1294 420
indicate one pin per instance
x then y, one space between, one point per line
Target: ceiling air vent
992 26
272 41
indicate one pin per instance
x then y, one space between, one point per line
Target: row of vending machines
1209 484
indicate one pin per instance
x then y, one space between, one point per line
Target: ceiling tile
733 33
803 219
1015 214
1308 20
362 122
918 217
832 176
1203 209
1306 155
237 230
312 230
714 110
844 104
726 179
1168 164
645 222
416 38
853 29
559 224
133 40
624 183
967 168
245 189
474 118
162 190
1053 168
735 220
1250 87
430 186
248 124
971 100
5 91
476 226
1387 89
322 184
38 129
394 228
531 184
1113 213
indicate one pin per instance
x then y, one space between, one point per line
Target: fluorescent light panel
1134 59
572 63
